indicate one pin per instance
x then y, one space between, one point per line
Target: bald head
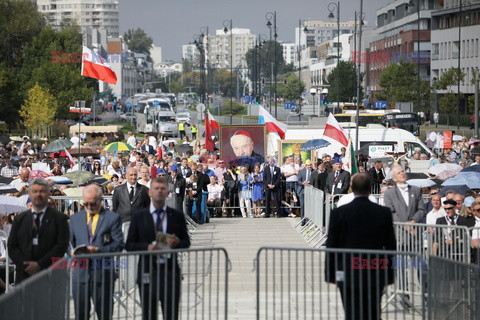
93 189
361 184
131 175
24 174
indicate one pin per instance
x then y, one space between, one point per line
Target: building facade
94 14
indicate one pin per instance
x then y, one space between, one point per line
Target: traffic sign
156 102
289 105
80 110
128 105
200 108
381 105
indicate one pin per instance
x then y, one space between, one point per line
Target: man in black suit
338 181
184 170
319 176
271 185
178 188
377 176
147 147
37 235
130 196
162 280
360 224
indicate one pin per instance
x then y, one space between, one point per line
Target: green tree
293 89
53 60
226 83
175 87
396 81
345 72
138 41
471 98
448 102
265 59
39 110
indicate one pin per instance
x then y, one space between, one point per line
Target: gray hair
396 169
98 190
39 182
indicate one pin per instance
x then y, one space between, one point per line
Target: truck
148 113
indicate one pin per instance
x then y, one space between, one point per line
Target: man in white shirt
290 173
75 140
437 211
132 141
214 200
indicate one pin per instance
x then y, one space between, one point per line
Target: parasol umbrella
84 151
470 179
421 183
183 148
39 174
462 189
59 180
16 138
98 179
416 175
5 188
79 177
4 139
10 204
58 145
314 144
118 146
5 179
167 142
73 192
441 167
475 168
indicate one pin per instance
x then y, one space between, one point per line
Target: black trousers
163 284
361 303
100 292
269 194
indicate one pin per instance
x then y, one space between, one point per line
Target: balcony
434 56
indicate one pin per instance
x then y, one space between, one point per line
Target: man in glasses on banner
94 230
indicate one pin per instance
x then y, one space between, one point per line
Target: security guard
194 132
181 129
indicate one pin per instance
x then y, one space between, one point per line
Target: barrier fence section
292 284
190 283
43 296
312 226
453 290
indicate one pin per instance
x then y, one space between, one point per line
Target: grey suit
302 176
122 204
97 280
400 211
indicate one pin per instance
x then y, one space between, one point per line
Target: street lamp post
206 73
332 7
462 5
411 4
227 24
359 78
299 51
269 16
260 41
199 44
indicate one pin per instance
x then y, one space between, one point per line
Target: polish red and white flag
213 123
69 158
335 131
94 66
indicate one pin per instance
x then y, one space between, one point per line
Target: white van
167 124
384 139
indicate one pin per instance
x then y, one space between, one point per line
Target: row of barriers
291 283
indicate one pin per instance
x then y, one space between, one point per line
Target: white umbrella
457 137
167 142
421 183
441 167
11 205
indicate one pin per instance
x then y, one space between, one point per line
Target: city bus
405 120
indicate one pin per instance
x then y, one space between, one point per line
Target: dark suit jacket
52 239
108 237
360 224
400 212
267 178
457 236
343 177
319 180
121 200
180 185
142 233
203 181
148 148
189 172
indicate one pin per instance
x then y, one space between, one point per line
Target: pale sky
174 23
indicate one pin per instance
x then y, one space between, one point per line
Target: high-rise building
319 32
289 53
95 14
218 53
190 52
447 50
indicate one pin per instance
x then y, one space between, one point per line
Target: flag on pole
272 124
213 123
349 161
69 158
335 131
93 66
209 144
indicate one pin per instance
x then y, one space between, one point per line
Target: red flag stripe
272 127
97 71
336 134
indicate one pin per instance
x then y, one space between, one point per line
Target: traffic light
325 101
263 81
285 81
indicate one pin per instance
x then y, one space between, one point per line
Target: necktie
452 221
308 175
159 224
336 174
37 221
90 228
271 174
132 190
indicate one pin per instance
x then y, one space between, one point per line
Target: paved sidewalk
242 238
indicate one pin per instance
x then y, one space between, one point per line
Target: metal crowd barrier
173 284
42 296
9 268
315 218
292 284
453 289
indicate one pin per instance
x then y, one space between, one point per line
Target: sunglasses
476 210
90 204
449 208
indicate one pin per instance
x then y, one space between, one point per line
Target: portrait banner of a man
243 144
